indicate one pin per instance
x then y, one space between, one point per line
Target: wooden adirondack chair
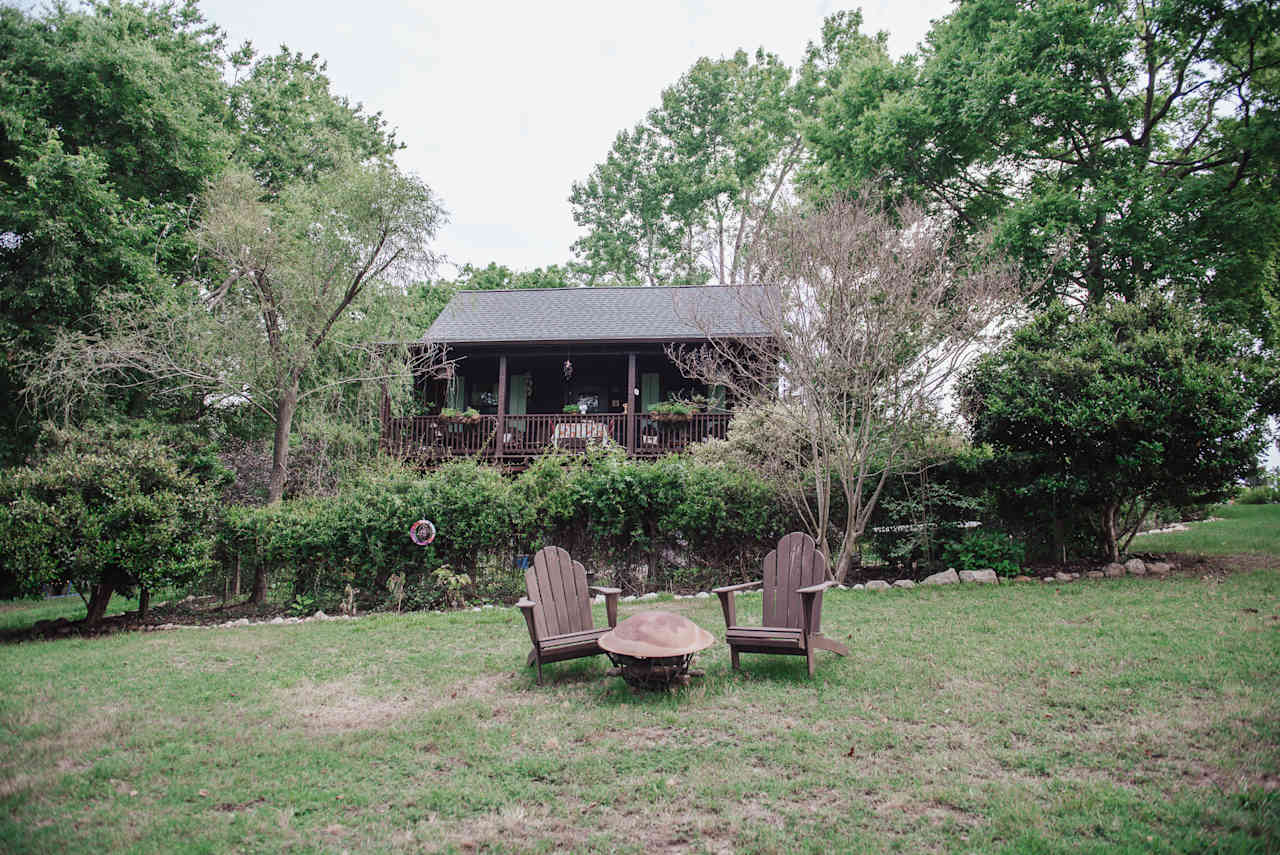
794 579
558 609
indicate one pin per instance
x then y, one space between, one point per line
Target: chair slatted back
796 563
558 585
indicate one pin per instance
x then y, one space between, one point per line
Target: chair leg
733 657
539 662
808 654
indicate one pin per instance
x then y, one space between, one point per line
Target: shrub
109 513
1258 496
980 550
640 523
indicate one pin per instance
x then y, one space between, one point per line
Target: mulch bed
192 611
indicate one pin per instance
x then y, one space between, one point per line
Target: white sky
504 105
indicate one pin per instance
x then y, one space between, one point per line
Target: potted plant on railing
672 411
469 416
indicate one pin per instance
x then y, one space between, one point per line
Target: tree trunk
235 581
1109 540
144 602
98 599
285 409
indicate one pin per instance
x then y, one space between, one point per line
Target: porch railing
525 436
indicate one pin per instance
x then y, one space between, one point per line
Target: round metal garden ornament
422 532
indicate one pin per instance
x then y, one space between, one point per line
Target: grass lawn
1243 528
1120 715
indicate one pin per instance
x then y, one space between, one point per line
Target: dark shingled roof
599 314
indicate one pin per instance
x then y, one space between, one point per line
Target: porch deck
524 436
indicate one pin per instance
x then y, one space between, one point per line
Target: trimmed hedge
672 523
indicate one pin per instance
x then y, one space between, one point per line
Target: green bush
981 550
634 522
108 513
1262 495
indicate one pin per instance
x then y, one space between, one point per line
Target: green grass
1243 528
1129 715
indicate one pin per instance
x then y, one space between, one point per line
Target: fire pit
653 649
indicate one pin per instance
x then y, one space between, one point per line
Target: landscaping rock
1023 579
1062 577
1113 570
1158 568
859 587
1048 579
1095 574
319 615
1135 567
946 577
982 577
277 620
877 585
702 595
904 583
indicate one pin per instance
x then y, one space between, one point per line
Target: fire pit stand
653 649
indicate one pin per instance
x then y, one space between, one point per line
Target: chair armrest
610 602
816 589
745 586
727 606
526 606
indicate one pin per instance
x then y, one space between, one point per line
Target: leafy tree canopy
1118 145
685 194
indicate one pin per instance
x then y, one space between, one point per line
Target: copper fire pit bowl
653 649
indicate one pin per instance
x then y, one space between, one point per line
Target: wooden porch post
632 417
502 408
384 409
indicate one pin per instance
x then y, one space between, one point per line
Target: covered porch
510 404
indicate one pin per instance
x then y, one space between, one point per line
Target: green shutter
517 403
650 391
457 394
517 394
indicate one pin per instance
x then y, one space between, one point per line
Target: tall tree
685 194
299 268
288 125
1117 145
871 309
111 121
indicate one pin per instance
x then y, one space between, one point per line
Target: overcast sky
503 106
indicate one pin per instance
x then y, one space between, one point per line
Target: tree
1113 409
298 269
111 121
1116 146
107 513
686 193
870 310
288 126
495 276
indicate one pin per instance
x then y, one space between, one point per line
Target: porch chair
794 579
557 609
